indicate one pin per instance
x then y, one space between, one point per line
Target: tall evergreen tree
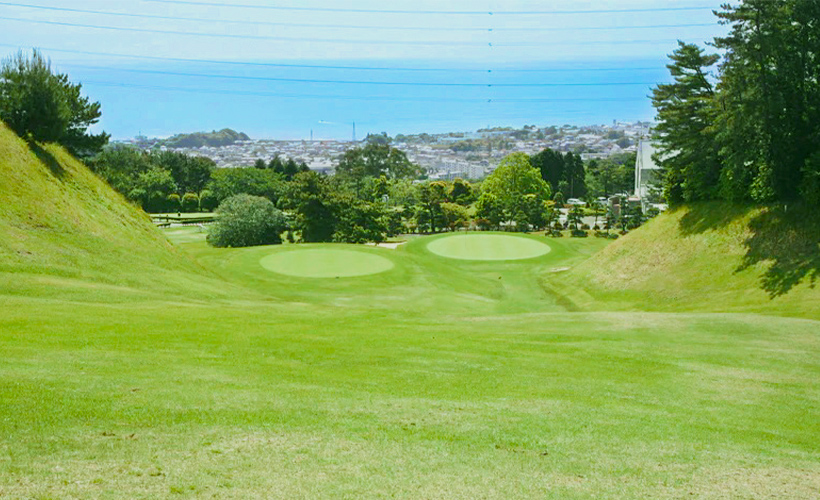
687 109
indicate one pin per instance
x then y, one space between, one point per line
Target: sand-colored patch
488 247
325 263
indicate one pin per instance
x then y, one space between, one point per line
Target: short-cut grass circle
325 263
488 247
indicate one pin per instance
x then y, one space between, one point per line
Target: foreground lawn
417 382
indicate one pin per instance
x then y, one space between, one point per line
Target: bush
585 227
208 201
172 203
244 221
555 233
190 203
578 233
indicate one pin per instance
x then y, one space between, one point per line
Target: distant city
467 155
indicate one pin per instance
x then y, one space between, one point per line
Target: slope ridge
63 228
714 257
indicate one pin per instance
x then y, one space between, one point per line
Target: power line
347 26
341 40
339 67
433 12
348 97
366 82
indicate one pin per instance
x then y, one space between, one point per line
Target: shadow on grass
705 216
788 240
47 159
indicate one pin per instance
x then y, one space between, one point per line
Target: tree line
744 124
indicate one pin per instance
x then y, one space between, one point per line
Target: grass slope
63 229
707 257
141 375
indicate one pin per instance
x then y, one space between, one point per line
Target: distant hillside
712 257
224 137
62 228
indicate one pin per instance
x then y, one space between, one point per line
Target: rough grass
707 257
136 368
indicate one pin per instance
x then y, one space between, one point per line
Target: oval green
488 247
325 263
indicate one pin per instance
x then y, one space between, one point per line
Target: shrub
172 203
578 233
244 220
190 202
555 233
585 227
208 201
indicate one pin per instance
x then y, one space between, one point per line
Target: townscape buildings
468 155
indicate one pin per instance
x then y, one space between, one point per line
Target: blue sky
423 66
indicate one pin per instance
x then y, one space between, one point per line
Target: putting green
325 263
488 247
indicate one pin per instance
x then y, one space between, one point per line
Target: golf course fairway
325 263
488 247
145 364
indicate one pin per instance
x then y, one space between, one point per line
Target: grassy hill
132 367
714 257
64 230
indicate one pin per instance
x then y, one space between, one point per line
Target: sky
281 69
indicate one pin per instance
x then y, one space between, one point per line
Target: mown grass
189 371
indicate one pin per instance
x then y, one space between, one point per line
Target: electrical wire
343 40
347 26
365 82
433 12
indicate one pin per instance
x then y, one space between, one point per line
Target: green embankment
710 257
131 367
63 230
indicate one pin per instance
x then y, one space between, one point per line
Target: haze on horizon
283 69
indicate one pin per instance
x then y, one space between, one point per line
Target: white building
647 172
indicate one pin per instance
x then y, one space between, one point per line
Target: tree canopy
38 104
745 124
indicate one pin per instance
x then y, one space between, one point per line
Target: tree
512 180
191 173
227 182
769 125
308 196
260 164
375 160
454 215
40 105
461 192
687 108
489 208
611 175
152 188
207 201
358 221
551 166
244 221
190 203
430 196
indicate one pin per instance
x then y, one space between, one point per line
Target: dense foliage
564 172
245 221
38 104
514 192
745 125
148 178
